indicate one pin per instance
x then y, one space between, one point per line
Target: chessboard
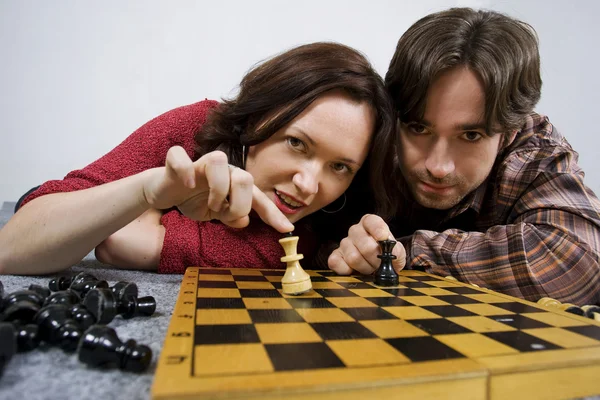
234 334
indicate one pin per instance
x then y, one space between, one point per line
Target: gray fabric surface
50 373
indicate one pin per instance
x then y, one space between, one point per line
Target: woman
310 128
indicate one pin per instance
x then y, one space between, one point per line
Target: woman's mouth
287 204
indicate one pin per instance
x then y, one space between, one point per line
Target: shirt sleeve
549 247
144 149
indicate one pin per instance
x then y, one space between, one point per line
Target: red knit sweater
187 242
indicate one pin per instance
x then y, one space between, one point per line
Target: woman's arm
137 245
55 231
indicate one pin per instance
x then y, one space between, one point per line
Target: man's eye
417 128
472 136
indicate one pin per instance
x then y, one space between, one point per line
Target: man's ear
508 138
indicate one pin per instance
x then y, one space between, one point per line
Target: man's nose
440 162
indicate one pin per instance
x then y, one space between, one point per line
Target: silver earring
244 156
339 209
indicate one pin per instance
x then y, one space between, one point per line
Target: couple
446 155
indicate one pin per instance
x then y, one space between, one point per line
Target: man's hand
358 251
209 188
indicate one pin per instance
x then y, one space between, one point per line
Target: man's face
447 155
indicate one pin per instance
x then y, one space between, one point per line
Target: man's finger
337 264
354 258
400 262
375 226
268 211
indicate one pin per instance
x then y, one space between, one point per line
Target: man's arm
549 247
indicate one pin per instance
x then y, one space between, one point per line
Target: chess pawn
386 275
101 347
84 282
592 312
60 283
23 311
42 291
27 337
57 327
67 297
122 289
295 280
548 302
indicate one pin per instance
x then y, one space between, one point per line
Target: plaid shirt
532 229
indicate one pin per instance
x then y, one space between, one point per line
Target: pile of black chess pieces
72 314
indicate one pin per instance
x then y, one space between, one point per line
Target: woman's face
310 162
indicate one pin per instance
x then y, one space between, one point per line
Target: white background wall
78 76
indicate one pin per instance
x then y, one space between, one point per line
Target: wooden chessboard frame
571 371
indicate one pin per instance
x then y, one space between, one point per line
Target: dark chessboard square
521 341
518 321
424 348
439 326
457 299
355 285
310 302
403 292
368 313
425 278
319 279
217 284
590 331
365 278
449 311
274 273
335 293
327 273
302 356
221 334
463 290
389 301
418 285
260 293
251 278
215 271
277 285
275 315
220 303
518 308
342 330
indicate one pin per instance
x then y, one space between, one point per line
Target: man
489 192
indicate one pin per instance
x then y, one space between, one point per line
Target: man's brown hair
500 50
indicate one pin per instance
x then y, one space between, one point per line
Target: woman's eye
341 168
296 143
472 136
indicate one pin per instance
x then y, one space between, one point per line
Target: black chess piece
68 297
27 337
8 344
386 275
57 327
42 291
84 282
82 316
27 295
22 312
104 305
122 289
101 347
60 283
